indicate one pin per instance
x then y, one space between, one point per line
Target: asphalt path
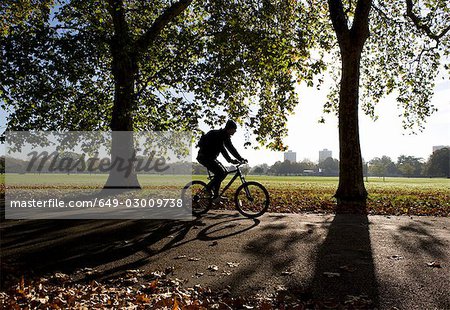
397 262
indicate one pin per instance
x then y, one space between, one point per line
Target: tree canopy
211 60
57 61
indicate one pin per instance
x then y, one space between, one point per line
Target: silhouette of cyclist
211 145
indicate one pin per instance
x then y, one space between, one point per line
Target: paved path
323 256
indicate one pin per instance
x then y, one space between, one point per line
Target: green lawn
395 196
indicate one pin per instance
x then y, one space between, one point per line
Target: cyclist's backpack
202 142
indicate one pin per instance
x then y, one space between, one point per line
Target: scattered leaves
384 199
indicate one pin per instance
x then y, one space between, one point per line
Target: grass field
393 196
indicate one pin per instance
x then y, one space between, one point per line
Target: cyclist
211 145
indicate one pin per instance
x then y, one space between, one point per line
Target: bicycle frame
255 202
238 174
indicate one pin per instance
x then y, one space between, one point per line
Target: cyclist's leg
214 167
219 172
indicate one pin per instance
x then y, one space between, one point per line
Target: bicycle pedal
220 200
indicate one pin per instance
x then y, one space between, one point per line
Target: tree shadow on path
345 264
327 260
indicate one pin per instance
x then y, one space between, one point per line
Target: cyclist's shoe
219 199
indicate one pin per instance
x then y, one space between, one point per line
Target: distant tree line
437 165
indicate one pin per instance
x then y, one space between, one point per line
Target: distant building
291 156
324 154
440 147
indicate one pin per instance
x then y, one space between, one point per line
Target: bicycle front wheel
251 199
200 198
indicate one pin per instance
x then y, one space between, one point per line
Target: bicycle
251 199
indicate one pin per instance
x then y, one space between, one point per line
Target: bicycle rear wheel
200 198
251 199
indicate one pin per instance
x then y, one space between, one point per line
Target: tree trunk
124 69
125 53
351 194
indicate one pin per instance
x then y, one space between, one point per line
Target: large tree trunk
125 53
124 68
122 144
351 194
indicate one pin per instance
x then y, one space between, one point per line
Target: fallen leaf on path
395 257
131 280
286 273
332 274
434 265
232 265
180 257
213 267
142 298
193 259
214 243
133 271
348 268
281 288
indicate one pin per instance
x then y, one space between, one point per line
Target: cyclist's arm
226 155
232 149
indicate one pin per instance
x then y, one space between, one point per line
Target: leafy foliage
439 163
400 56
234 59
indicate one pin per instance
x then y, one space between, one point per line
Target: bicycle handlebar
242 163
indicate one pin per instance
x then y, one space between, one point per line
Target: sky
384 136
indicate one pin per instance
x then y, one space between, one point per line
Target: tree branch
421 26
360 27
165 18
385 16
349 9
338 19
117 12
